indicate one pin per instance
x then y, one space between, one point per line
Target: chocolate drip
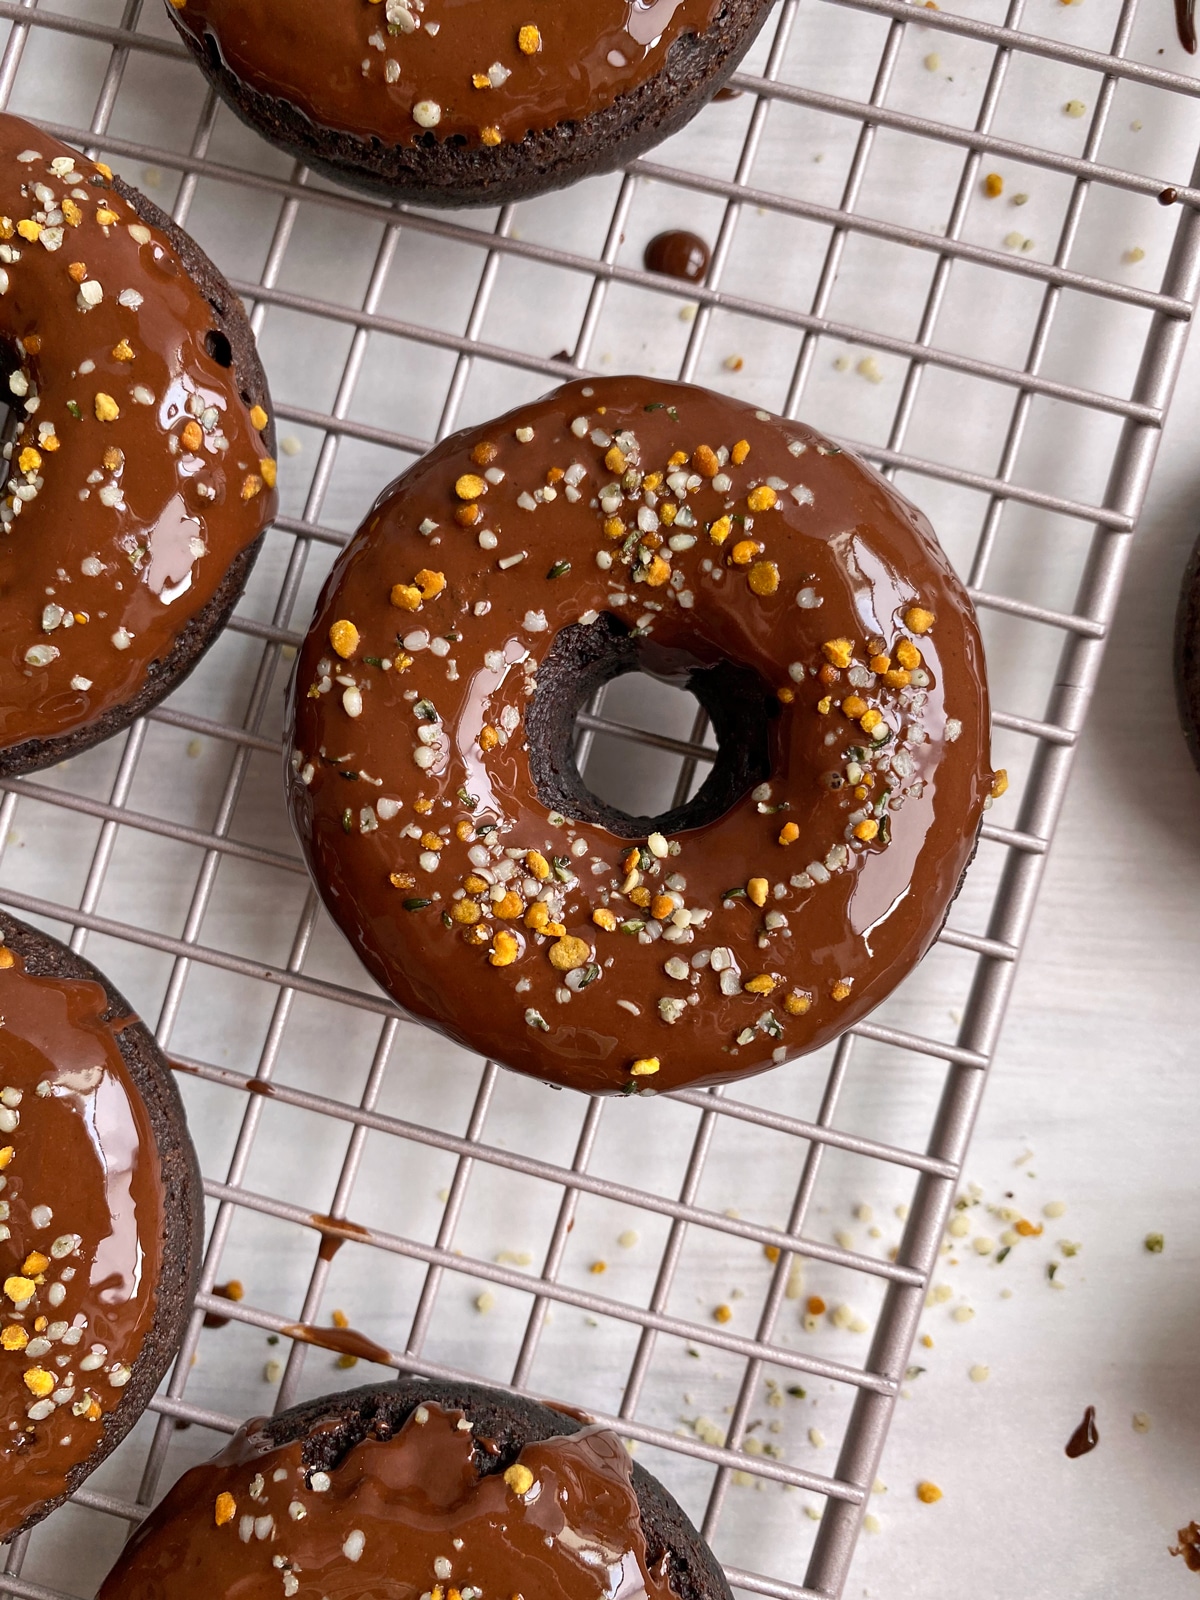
1185 24
1085 1438
679 255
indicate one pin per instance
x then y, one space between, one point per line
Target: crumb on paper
870 369
628 1239
688 313
1188 1546
290 445
1132 256
1075 108
842 363
928 1493
932 61
485 1301
1141 1422
980 1373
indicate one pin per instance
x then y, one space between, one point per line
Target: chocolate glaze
114 534
1085 1438
678 255
394 1514
332 62
81 1243
438 747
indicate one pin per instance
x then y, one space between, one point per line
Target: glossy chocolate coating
116 531
408 749
398 1517
678 255
81 1247
332 61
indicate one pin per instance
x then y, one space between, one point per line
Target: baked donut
418 1488
624 524
466 102
100 1222
139 448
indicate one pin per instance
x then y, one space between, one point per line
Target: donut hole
582 659
218 347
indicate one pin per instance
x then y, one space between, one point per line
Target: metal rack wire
1027 488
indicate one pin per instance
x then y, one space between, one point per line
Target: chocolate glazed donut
419 1488
102 1213
140 452
617 525
466 102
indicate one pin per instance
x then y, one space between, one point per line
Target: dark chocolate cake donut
617 525
467 102
441 1490
140 452
101 1213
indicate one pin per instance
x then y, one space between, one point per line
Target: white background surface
1095 1071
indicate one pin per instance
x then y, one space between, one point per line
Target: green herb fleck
1154 1243
73 408
559 569
347 821
416 905
426 710
796 1392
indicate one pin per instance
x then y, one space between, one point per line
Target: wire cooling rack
675 1265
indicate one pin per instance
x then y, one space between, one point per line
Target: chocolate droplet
1168 197
678 255
1085 1437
